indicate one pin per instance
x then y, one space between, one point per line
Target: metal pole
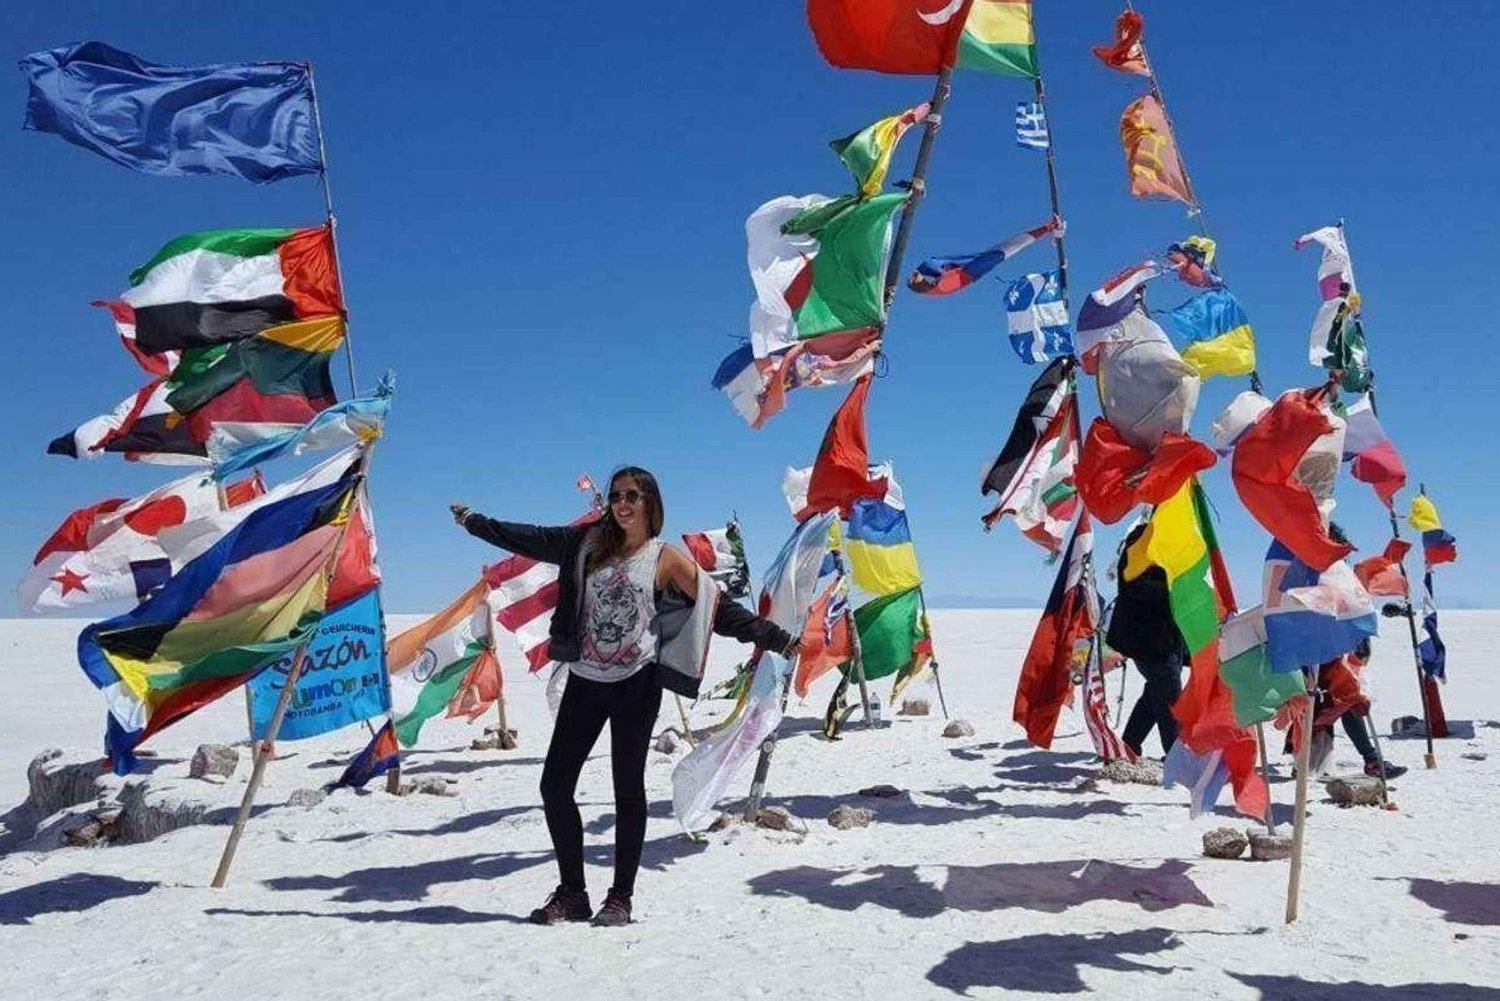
1265 773
333 225
918 182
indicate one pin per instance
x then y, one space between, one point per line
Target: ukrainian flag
1214 335
882 557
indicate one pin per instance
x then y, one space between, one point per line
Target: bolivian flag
998 38
256 594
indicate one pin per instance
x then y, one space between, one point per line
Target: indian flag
226 284
998 38
446 665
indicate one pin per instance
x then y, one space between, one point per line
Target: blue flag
236 446
250 120
1037 318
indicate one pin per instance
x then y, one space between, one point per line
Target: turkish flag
888 36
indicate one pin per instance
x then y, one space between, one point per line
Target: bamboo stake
1299 823
918 182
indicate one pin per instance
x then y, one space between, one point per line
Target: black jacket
1142 627
562 546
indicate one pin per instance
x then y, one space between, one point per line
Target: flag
1344 352
998 38
380 755
840 284
523 597
1433 654
1031 126
158 365
1374 457
1214 334
1108 306
1382 575
1437 545
888 36
1145 388
882 557
1179 539
1245 666
891 633
1151 156
1062 639
758 387
1126 54
1312 616
867 153
1268 475
445 665
255 594
1036 317
1336 269
1042 494
945 275
279 376
1044 417
721 554
787 594
840 473
226 284
1193 261
251 120
112 550
1107 743
143 427
1204 776
1114 476
826 639
235 445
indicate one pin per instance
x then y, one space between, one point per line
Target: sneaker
616 909
562 905
1391 771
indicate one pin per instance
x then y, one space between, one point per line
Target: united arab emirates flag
225 284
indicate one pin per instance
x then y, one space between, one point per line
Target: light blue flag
249 120
233 446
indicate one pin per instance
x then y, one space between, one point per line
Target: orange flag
1126 54
1151 153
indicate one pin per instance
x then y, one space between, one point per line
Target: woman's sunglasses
628 496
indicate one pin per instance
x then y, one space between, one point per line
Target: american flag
1107 744
1031 126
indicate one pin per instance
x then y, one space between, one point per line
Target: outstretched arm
546 543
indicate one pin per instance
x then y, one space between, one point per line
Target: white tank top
617 637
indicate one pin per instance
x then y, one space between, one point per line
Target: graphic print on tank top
617 616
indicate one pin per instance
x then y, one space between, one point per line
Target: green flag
890 629
842 287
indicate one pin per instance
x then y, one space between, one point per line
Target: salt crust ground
999 875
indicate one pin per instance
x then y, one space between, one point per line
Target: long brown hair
612 536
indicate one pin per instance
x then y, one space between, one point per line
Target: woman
633 617
1143 629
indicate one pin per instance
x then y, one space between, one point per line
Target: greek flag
1037 318
1031 126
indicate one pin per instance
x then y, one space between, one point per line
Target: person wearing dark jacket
1143 629
633 617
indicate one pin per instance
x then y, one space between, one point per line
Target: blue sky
541 226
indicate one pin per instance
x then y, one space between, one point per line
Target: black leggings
630 707
1154 706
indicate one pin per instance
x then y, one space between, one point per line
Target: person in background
1142 629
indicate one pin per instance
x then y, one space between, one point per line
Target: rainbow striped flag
255 594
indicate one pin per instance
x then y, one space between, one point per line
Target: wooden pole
859 660
1057 238
1408 611
1299 822
687 728
918 182
332 224
1265 773
266 749
767 748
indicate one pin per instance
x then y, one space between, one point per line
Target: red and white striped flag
523 595
1107 744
